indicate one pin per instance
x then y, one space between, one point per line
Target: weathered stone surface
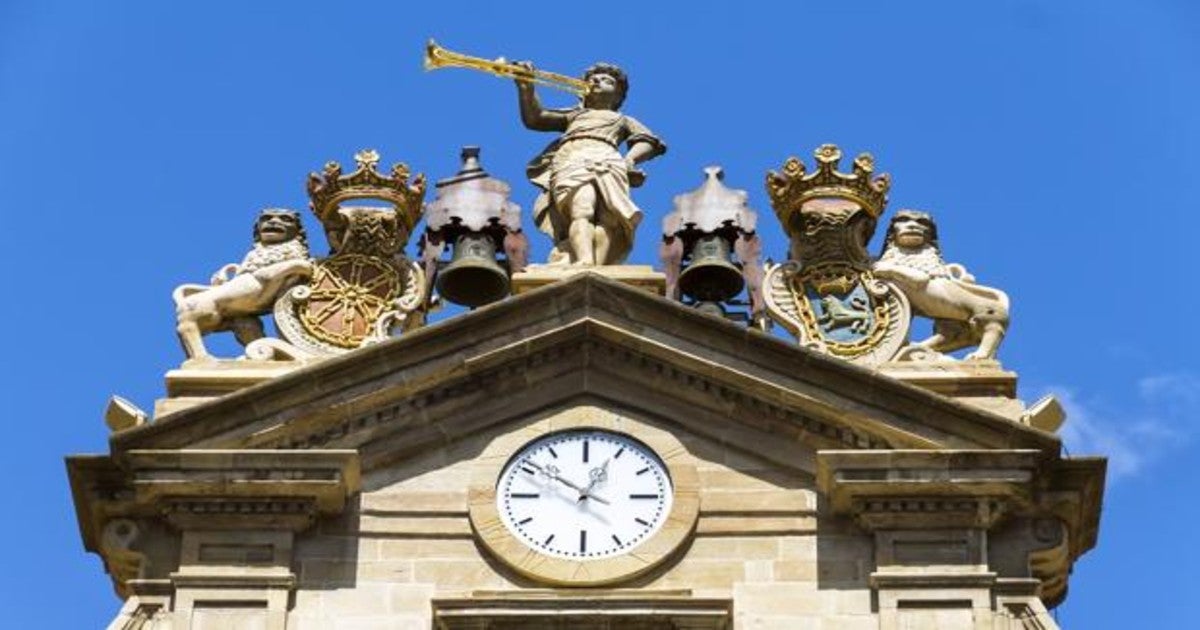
829 495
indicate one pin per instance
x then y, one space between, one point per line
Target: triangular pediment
583 339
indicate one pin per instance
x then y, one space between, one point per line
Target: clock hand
598 475
552 473
594 497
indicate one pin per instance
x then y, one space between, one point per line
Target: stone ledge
954 378
929 579
234 489
613 608
207 581
220 376
946 488
637 276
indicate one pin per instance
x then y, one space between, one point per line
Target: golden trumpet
437 57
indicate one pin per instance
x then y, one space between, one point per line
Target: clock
584 497
584 494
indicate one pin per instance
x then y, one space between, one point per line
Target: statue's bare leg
602 244
582 232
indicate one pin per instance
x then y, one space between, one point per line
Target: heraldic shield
351 299
839 310
826 294
367 289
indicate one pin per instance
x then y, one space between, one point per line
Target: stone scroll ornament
364 291
826 294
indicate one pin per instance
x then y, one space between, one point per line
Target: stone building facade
360 491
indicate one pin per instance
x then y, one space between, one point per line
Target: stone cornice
928 490
915 489
558 608
212 489
585 326
277 481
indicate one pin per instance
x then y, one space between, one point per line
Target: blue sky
1056 142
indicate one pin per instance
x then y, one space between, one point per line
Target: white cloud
1163 416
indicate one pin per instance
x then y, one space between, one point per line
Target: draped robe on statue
586 154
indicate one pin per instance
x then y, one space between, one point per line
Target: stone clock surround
679 524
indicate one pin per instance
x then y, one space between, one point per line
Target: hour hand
597 475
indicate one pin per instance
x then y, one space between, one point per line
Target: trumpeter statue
585 204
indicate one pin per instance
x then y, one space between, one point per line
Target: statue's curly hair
301 235
921 216
613 71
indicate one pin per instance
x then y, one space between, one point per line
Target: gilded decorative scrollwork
843 312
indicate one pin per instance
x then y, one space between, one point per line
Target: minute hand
566 482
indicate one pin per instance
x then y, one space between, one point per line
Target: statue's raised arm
585 203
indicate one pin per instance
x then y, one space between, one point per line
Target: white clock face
584 494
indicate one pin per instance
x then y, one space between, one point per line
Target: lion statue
238 294
964 314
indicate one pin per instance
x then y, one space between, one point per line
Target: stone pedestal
195 382
638 276
981 383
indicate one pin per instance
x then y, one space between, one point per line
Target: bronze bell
708 226
710 276
472 213
473 277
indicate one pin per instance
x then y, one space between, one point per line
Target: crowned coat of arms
826 293
364 291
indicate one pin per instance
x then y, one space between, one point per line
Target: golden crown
330 188
789 190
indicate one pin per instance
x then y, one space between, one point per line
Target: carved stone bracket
941 519
227 489
925 489
234 512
